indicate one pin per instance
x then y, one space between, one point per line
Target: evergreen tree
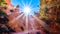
3 17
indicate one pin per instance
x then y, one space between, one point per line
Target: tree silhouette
3 17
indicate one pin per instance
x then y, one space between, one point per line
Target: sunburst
29 10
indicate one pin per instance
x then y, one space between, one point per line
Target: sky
33 4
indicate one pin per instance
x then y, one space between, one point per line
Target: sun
27 10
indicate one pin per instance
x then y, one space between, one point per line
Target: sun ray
26 23
32 23
26 3
32 5
34 8
16 18
43 24
23 3
19 16
30 2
